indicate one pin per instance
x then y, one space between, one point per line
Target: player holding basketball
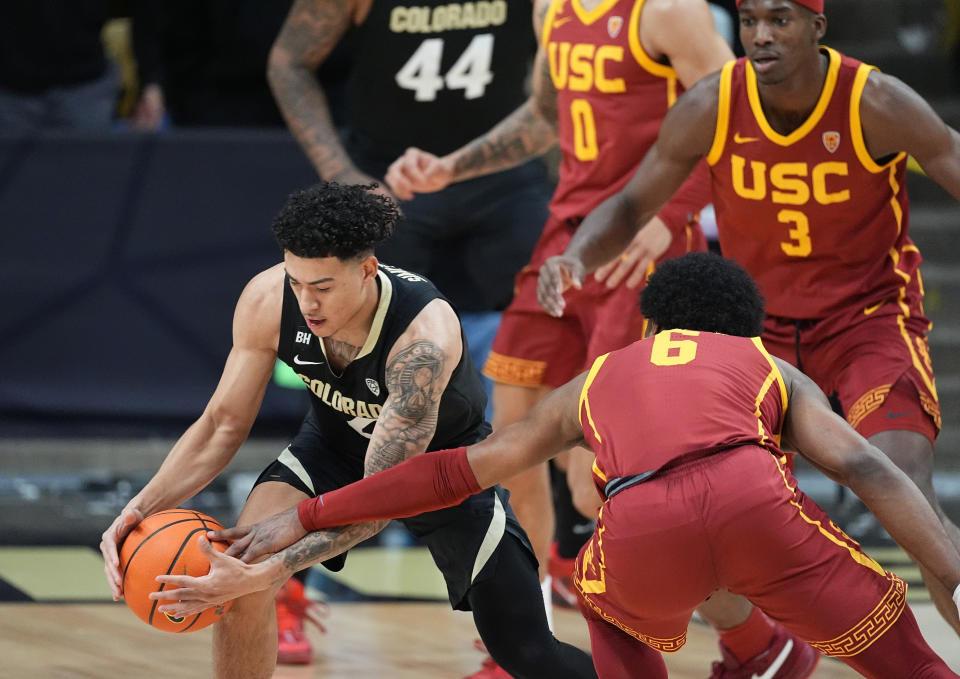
807 150
605 76
383 355
686 426
413 68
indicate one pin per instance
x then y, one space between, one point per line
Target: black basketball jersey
434 74
347 406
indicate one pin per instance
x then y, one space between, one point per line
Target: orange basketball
165 543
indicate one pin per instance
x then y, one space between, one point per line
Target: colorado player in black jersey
384 358
432 74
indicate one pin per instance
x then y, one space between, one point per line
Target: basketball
165 543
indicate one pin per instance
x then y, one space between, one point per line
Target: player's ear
369 266
820 26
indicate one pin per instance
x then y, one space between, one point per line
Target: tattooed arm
418 369
311 31
526 133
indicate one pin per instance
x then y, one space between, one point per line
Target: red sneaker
787 657
293 607
561 575
489 669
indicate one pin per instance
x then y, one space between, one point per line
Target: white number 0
471 72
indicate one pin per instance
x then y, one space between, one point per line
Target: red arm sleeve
421 484
688 201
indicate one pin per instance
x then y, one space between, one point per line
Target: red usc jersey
676 393
611 99
816 221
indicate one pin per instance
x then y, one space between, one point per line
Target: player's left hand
646 247
228 579
252 543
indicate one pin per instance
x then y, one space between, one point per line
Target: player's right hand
417 171
109 547
556 276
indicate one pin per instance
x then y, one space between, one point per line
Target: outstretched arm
212 441
526 133
833 447
685 137
446 478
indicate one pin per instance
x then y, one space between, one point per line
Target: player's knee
525 658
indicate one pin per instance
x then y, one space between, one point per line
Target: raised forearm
524 134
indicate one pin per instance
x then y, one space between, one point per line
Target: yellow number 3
669 351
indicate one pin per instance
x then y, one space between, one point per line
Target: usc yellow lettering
791 184
581 67
789 181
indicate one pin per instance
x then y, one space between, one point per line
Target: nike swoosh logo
737 139
557 23
775 666
870 309
296 359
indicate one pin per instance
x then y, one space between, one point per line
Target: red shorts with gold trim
735 521
532 348
875 358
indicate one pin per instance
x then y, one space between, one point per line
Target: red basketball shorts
534 349
876 359
735 521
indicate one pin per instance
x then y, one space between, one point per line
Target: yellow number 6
669 351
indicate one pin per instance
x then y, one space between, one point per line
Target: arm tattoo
408 421
325 544
526 133
310 32
522 135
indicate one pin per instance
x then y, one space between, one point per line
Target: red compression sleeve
421 484
688 201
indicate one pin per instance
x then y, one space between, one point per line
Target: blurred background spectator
54 72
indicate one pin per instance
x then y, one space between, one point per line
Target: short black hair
706 292
334 220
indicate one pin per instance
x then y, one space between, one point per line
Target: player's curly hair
334 220
703 291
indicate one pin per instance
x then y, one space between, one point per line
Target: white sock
546 588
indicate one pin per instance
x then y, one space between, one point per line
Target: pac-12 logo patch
374 386
831 140
614 24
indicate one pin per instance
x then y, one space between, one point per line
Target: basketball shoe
787 657
489 669
293 608
561 573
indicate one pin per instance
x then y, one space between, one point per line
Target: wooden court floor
363 641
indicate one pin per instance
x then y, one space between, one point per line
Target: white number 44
471 72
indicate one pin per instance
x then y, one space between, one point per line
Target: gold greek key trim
859 637
662 645
866 404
